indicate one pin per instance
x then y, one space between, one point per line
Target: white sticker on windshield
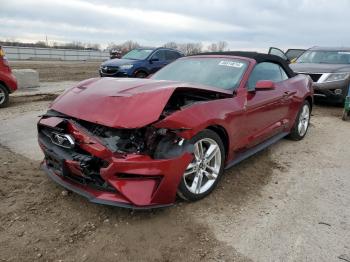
231 63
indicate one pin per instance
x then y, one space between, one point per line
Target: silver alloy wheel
304 119
2 96
203 171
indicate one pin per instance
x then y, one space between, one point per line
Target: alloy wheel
304 119
2 96
203 171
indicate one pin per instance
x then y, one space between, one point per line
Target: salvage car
139 143
8 82
329 68
139 62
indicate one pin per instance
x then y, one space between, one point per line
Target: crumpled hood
119 103
118 62
319 68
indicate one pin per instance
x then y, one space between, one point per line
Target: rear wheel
204 172
4 96
302 122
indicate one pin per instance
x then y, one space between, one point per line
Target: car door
278 52
293 54
157 61
265 110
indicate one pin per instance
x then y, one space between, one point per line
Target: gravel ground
54 71
287 203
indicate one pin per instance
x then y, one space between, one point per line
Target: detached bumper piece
90 169
346 113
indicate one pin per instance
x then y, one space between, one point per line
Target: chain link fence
36 53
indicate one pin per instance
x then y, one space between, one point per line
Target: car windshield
223 73
138 54
325 57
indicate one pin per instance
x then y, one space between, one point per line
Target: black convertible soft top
258 57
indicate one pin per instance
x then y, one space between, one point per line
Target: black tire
295 133
4 98
141 74
183 192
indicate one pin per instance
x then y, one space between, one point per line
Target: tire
302 122
202 175
141 74
4 96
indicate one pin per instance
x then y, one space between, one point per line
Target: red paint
247 118
6 77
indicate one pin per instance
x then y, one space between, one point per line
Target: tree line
71 45
185 48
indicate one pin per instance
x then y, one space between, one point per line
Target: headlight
337 77
126 66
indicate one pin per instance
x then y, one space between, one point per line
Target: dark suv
139 62
329 68
8 82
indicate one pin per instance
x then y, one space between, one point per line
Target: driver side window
266 71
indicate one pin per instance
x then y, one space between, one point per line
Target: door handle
288 93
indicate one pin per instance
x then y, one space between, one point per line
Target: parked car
139 62
329 68
115 53
139 143
8 83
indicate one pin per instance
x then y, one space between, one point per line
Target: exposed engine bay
182 98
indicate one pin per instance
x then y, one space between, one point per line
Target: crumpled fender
191 120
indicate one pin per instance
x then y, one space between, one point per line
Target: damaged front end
113 145
138 168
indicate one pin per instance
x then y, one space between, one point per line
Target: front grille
109 69
89 165
315 77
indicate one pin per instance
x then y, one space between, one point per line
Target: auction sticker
231 63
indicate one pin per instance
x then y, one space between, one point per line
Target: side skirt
252 151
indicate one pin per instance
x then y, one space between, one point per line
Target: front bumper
132 181
117 74
328 91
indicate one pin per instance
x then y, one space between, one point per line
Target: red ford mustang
140 142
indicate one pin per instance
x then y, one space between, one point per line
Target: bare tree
171 45
190 48
218 47
222 46
124 47
213 47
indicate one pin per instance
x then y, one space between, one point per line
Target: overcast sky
244 24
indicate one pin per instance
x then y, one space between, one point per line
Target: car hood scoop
119 103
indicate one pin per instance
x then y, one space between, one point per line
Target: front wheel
4 96
141 74
302 122
203 173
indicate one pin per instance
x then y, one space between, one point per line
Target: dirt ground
54 71
288 203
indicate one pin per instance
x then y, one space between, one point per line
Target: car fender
227 113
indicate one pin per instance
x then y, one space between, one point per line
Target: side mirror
153 60
265 85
